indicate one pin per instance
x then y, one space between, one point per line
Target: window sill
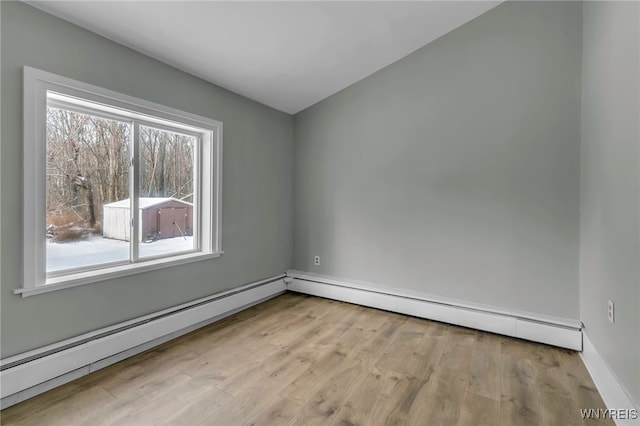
89 277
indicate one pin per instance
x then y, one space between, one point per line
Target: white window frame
208 189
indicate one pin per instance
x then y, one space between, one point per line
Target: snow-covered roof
145 202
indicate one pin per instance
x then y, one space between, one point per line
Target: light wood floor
302 360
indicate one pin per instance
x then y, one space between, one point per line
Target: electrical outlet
316 260
610 311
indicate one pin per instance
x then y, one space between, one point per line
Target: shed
159 218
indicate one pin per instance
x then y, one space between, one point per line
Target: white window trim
36 83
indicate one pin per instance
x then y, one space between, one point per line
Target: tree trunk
92 204
85 183
161 169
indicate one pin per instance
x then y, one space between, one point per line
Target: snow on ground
98 250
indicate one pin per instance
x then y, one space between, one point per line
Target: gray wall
454 171
257 189
610 197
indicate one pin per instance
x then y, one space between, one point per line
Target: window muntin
80 176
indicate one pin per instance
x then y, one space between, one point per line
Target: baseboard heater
26 375
554 331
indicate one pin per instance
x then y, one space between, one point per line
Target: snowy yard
98 250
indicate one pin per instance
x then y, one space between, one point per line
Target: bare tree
88 163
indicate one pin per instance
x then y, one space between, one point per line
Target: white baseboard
34 372
613 394
560 332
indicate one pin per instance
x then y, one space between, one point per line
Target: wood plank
356 410
254 399
279 412
324 406
107 414
67 411
302 388
457 356
479 411
161 408
397 356
556 410
382 339
397 401
441 399
201 408
426 356
485 374
519 403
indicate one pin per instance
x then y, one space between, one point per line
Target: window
113 185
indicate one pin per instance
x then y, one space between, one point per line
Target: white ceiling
288 55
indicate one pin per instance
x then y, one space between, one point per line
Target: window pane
166 192
87 160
